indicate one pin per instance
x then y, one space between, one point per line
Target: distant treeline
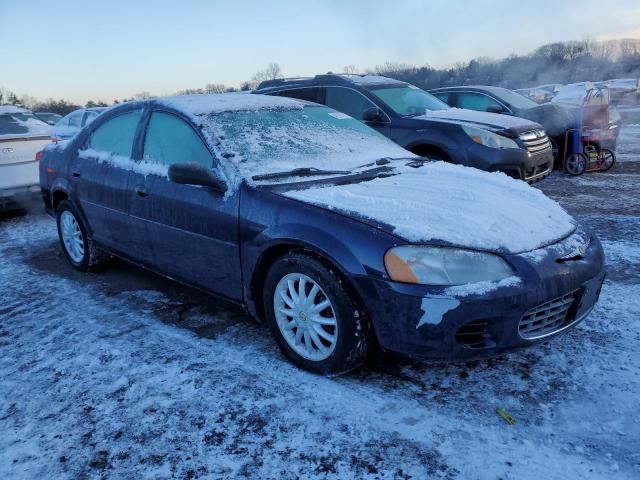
560 62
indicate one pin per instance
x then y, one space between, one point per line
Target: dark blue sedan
338 238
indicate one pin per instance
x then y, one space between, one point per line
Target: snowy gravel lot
123 374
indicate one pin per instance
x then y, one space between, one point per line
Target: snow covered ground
123 374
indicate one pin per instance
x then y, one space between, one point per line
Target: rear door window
347 101
443 96
116 136
310 94
476 101
170 140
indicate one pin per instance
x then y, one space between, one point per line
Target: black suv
419 122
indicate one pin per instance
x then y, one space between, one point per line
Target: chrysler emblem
8 150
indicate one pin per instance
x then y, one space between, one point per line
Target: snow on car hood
479 118
448 203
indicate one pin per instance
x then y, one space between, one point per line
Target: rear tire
315 321
609 159
80 250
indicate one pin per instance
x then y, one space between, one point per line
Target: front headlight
443 265
489 139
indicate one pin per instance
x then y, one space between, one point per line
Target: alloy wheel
305 317
72 237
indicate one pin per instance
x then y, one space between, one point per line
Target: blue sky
81 50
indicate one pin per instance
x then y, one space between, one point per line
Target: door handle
142 192
76 173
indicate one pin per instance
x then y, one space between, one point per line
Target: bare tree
351 69
272 72
215 88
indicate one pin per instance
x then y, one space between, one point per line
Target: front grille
536 142
550 317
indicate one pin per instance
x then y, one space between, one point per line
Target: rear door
191 231
18 148
100 177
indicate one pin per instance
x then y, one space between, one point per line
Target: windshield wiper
299 172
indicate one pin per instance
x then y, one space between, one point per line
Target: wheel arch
425 149
274 252
57 196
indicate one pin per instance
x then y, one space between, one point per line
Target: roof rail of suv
325 76
279 81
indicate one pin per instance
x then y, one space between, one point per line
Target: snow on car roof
12 109
371 80
202 104
458 205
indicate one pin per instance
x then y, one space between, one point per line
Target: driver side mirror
496 109
373 114
191 173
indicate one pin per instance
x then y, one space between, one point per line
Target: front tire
315 321
80 250
576 164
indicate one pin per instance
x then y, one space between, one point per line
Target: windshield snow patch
271 141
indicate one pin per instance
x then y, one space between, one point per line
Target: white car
22 136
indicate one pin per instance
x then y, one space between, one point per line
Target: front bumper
438 323
516 162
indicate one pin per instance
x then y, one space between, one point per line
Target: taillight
38 156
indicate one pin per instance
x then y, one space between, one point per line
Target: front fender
271 225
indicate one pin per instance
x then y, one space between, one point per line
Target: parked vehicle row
22 135
426 126
571 124
339 238
624 91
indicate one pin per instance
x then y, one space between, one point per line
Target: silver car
74 122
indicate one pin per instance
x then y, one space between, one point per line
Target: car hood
481 119
449 204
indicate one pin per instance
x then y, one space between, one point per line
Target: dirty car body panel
224 243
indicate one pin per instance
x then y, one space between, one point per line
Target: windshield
409 100
276 140
514 99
